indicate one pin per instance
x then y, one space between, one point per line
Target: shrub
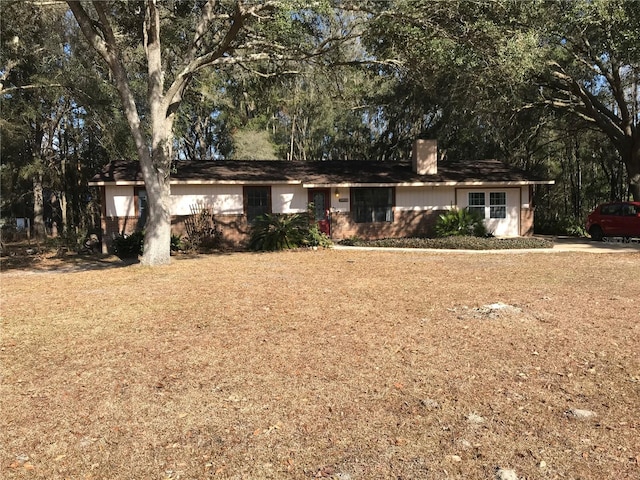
70 240
278 232
128 246
460 222
202 230
454 243
176 243
556 224
315 238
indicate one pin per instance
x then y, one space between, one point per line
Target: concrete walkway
560 244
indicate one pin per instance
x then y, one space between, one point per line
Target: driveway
573 244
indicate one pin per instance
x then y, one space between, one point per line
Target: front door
321 200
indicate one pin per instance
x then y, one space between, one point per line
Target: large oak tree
164 45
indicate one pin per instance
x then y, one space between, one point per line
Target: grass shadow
48 261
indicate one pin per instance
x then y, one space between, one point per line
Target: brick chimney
424 157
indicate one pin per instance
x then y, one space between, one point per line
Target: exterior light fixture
337 193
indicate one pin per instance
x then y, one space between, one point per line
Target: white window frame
498 206
474 206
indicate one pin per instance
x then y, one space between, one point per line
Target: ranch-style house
368 199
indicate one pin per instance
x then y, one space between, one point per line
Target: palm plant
457 222
278 232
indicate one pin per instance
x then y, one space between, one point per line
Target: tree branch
180 83
108 49
29 87
593 108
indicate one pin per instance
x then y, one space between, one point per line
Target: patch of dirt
326 364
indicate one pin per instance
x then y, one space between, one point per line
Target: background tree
34 101
59 124
482 63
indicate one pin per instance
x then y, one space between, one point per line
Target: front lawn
324 364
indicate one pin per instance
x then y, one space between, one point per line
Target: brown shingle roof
323 173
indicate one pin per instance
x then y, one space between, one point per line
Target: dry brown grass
335 364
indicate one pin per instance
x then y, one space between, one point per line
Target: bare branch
29 87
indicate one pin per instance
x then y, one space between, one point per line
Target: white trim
198 182
334 185
235 182
120 183
433 184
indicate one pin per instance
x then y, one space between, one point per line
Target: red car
615 219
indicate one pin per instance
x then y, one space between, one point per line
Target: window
477 203
612 209
630 210
498 205
141 206
257 200
372 204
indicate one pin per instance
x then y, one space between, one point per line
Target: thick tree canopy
492 60
551 86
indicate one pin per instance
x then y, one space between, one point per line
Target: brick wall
526 222
405 224
233 228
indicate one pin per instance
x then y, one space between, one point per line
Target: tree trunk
157 239
38 208
63 213
156 169
632 162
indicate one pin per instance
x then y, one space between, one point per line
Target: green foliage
453 243
128 246
280 232
315 238
354 241
80 241
560 225
250 144
176 243
460 222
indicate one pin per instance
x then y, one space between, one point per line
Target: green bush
278 232
128 246
460 222
70 240
176 243
559 225
315 238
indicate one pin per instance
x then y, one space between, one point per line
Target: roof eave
475 183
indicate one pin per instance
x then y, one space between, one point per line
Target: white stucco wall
500 227
524 197
119 201
289 199
425 198
221 198
226 199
